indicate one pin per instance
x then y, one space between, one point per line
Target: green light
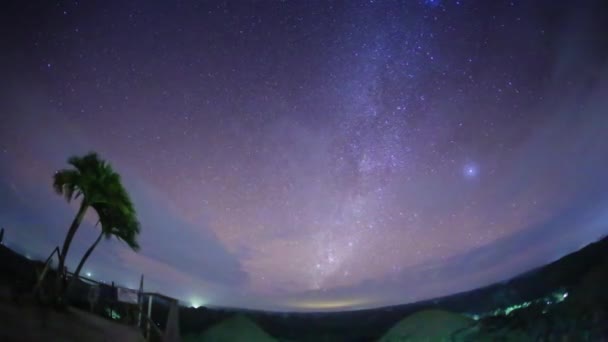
196 302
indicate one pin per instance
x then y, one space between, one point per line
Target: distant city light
196 303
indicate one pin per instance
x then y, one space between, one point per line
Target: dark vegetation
18 274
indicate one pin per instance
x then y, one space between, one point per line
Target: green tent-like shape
429 325
235 329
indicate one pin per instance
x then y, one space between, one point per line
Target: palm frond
96 181
66 182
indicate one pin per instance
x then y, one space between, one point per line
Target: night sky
311 155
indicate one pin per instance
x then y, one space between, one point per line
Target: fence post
149 316
112 301
140 301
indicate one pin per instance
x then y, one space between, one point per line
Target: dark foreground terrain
563 301
26 322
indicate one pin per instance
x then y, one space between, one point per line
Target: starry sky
311 155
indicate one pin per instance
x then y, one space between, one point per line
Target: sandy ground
28 322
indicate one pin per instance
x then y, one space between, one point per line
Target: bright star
471 171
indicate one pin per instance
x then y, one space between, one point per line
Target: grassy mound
236 329
428 325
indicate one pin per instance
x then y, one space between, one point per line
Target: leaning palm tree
99 187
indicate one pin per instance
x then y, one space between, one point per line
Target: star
470 171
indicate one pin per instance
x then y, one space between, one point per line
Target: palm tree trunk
83 260
66 245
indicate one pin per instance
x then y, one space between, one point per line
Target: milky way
311 155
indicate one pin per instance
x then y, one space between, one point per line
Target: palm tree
100 188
